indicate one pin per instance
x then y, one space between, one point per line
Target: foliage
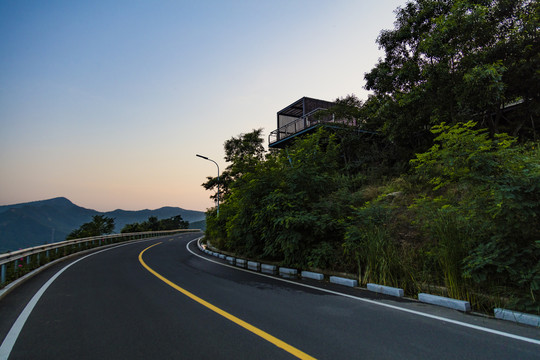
461 219
461 216
153 224
368 241
277 209
243 153
454 60
99 225
490 201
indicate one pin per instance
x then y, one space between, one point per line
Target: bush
492 187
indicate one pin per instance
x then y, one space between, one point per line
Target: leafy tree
173 223
153 224
348 107
132 228
99 225
491 187
279 210
243 153
447 61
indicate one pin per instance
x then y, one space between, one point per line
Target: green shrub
492 186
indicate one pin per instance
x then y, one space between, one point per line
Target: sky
108 102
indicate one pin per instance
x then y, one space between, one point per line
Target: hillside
39 222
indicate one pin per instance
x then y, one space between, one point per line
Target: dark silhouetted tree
100 225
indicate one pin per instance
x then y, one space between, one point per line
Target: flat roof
303 106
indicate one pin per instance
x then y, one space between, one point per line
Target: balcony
302 116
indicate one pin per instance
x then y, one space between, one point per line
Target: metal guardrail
29 259
296 126
305 122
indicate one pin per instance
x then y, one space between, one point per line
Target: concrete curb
343 281
388 290
241 263
288 273
312 275
269 269
519 317
460 305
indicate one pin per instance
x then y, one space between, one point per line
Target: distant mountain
123 217
40 222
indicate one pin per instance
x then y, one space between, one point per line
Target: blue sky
107 102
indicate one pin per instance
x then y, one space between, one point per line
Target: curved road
162 299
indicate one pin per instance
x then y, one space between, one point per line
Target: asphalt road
114 305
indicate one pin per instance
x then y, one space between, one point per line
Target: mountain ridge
35 223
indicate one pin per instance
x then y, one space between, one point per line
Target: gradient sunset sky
107 102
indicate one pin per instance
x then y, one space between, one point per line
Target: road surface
164 299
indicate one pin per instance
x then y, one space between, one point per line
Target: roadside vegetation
444 197
100 225
153 224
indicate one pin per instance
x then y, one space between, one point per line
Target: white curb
519 317
446 302
388 290
343 281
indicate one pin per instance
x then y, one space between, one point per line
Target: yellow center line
281 344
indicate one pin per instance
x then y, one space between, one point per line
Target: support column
3 274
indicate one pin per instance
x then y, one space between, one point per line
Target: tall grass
377 255
451 238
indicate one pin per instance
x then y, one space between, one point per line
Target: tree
348 107
132 228
278 207
243 153
448 61
153 224
173 223
99 225
490 190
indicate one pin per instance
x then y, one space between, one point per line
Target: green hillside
435 185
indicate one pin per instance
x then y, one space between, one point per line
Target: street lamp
205 158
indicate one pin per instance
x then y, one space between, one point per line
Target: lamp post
205 158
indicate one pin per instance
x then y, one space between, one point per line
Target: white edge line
16 328
476 327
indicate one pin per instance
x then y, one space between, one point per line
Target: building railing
16 264
310 120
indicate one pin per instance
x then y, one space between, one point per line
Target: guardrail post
3 274
28 260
